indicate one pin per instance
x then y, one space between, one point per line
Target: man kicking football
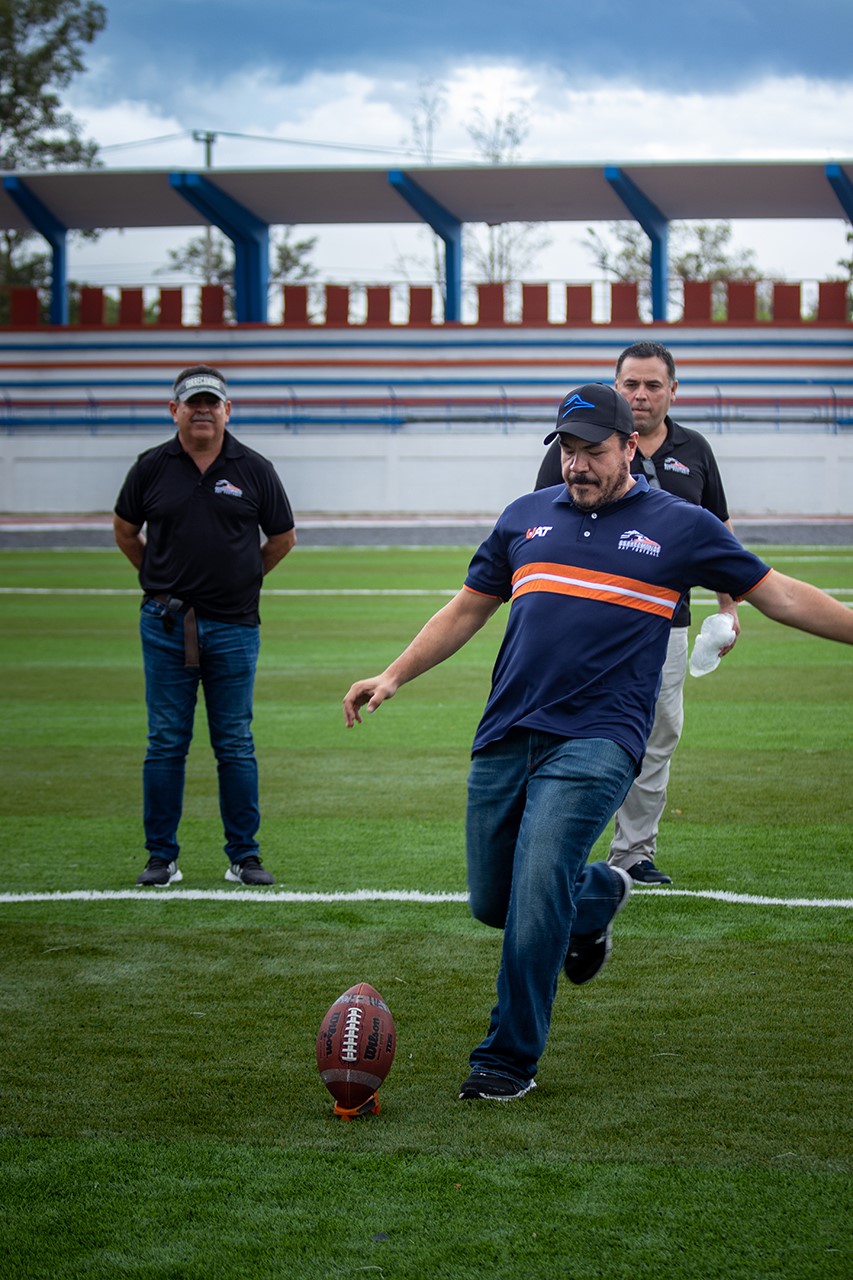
595 569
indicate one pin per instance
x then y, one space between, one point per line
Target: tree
696 252
41 45
211 260
290 258
846 265
506 250
499 253
41 48
430 106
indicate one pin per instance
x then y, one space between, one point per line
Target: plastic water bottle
717 633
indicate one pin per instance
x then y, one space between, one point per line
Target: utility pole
200 135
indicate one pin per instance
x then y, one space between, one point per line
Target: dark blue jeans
536 805
229 657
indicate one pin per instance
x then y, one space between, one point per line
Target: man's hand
728 604
729 608
371 692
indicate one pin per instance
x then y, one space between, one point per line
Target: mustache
574 478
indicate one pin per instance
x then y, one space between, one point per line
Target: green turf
162 1114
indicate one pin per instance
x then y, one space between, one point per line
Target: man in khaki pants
679 460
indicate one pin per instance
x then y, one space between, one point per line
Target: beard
589 493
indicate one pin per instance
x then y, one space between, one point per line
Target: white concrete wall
473 472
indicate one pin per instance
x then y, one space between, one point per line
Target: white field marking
361 547
699 598
382 895
307 591
141 894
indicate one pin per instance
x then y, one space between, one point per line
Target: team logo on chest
539 531
633 540
672 464
229 489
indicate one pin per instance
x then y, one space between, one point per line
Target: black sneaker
496 1088
646 872
587 956
249 871
159 872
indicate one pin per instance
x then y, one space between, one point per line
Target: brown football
356 1045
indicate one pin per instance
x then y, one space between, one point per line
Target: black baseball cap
592 413
196 384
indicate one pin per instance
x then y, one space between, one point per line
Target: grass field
162 1114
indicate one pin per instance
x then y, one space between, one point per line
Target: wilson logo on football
539 531
633 540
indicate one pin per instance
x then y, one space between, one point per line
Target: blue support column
843 188
656 227
249 235
447 227
49 226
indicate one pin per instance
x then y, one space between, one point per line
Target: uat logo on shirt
539 531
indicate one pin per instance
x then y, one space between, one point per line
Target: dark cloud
153 50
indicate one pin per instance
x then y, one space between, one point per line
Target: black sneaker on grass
587 955
646 872
249 871
159 873
494 1088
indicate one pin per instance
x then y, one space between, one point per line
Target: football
355 1047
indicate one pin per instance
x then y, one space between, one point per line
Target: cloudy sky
306 82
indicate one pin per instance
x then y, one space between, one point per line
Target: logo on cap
574 402
197 383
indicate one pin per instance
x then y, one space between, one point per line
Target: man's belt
173 607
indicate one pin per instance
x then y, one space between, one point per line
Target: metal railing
822 408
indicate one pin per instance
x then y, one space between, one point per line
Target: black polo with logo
203 529
684 465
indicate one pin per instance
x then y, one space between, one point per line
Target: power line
333 146
144 142
364 148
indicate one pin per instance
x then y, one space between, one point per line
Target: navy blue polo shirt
685 465
203 529
593 597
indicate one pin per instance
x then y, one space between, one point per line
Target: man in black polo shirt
680 461
203 498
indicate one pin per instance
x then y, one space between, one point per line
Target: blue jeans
228 657
536 805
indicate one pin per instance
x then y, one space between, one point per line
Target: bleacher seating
340 356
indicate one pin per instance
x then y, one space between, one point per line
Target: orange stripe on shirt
631 593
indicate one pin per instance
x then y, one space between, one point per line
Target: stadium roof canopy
245 203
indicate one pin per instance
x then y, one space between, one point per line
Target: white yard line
698 597
293 897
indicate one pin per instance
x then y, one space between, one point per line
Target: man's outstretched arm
445 633
798 604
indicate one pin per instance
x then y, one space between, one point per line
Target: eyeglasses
650 472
